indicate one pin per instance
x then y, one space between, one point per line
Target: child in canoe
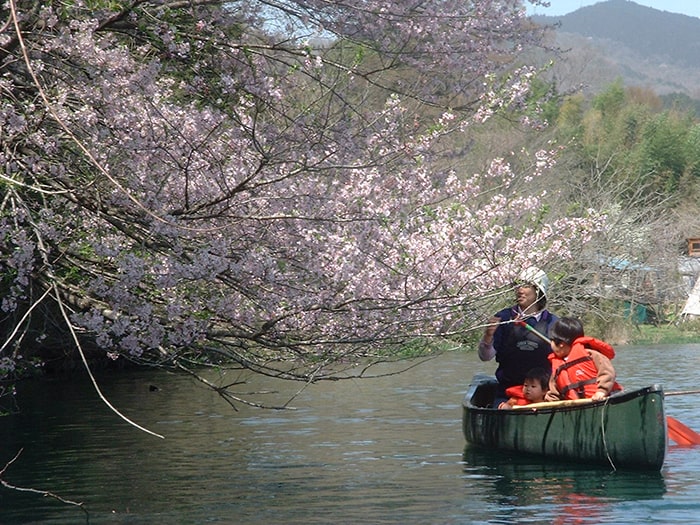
581 366
532 390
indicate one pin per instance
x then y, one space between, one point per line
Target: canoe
626 430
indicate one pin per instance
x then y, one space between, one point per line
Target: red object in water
681 434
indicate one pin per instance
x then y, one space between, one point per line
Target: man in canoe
581 366
516 336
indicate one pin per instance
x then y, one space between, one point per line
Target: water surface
389 450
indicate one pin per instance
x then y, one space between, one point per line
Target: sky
562 7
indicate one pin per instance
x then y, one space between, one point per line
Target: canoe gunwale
616 398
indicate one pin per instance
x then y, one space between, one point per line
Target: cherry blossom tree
283 186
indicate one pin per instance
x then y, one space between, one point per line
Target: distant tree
634 160
629 131
665 150
569 121
265 185
611 101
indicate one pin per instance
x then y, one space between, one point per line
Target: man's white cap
533 275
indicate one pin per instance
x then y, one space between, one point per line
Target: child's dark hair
566 330
539 374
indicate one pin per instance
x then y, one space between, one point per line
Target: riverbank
671 334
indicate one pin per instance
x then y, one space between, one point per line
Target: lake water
380 451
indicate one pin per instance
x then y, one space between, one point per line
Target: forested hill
644 46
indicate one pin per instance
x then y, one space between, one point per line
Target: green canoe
626 430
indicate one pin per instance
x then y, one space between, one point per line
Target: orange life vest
577 376
516 396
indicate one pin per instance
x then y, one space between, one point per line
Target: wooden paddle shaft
682 393
555 404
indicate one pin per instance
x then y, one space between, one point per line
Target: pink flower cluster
218 181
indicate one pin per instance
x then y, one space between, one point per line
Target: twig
24 318
225 394
87 366
44 493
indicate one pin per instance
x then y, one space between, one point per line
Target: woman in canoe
516 348
581 366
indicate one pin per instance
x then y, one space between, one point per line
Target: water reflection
524 488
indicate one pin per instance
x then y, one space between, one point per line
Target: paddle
677 431
555 404
681 393
681 434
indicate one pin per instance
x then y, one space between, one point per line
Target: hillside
621 39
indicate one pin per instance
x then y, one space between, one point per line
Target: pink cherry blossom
268 185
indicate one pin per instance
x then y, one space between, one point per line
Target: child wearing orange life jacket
532 390
581 366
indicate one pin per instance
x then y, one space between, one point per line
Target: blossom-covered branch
264 183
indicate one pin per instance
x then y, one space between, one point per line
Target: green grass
682 333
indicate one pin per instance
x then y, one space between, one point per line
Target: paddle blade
680 433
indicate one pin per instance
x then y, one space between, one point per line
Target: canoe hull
627 430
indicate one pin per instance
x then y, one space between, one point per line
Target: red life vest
577 376
516 396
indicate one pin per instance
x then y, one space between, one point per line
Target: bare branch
44 493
